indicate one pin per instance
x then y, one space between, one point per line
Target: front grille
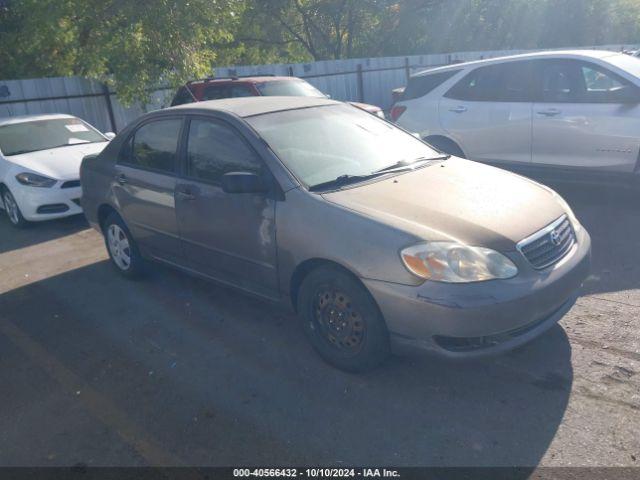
549 245
71 184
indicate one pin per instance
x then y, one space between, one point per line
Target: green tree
133 46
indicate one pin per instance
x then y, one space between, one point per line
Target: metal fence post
407 68
107 99
360 84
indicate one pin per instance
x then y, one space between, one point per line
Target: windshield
322 143
25 137
289 88
627 63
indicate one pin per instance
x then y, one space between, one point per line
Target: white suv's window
505 82
575 81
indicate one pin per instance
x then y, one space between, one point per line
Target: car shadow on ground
218 378
12 238
611 217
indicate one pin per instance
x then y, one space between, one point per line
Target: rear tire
342 321
123 251
12 209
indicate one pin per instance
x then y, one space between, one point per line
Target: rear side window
215 92
153 146
507 82
214 149
423 84
182 97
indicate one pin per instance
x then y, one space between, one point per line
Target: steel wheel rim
119 247
339 321
11 207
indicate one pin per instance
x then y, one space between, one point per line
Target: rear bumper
474 320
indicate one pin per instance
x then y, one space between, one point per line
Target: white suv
545 114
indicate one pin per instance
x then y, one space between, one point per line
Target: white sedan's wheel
12 209
119 247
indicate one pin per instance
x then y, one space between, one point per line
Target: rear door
230 237
586 116
145 183
488 113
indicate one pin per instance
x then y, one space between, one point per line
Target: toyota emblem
555 237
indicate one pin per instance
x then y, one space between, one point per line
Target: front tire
12 209
342 320
122 248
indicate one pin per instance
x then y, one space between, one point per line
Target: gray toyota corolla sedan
379 242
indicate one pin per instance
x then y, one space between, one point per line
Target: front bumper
479 319
37 204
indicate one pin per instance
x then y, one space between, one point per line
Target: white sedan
40 158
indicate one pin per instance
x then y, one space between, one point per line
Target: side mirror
243 182
110 135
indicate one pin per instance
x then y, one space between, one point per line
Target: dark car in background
254 86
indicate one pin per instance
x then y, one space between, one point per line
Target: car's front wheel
122 248
12 209
342 320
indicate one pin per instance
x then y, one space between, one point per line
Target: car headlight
35 180
453 262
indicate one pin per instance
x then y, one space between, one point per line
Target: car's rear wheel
122 248
342 321
12 209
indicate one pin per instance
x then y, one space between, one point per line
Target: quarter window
420 85
214 149
154 146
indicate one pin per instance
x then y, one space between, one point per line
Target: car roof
251 79
250 106
32 118
586 54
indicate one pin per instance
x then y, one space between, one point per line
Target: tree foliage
131 45
136 46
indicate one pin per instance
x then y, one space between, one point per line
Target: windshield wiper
343 180
403 164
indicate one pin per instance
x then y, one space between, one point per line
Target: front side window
507 82
214 149
215 92
26 137
319 144
289 88
575 81
154 146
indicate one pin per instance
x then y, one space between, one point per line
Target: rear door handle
459 109
121 179
552 112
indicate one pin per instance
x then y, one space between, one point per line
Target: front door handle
185 195
121 179
552 112
459 109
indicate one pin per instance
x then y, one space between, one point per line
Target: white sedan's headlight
456 263
35 180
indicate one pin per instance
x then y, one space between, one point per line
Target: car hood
61 163
457 200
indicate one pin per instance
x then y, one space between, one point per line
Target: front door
144 187
230 237
488 113
586 116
